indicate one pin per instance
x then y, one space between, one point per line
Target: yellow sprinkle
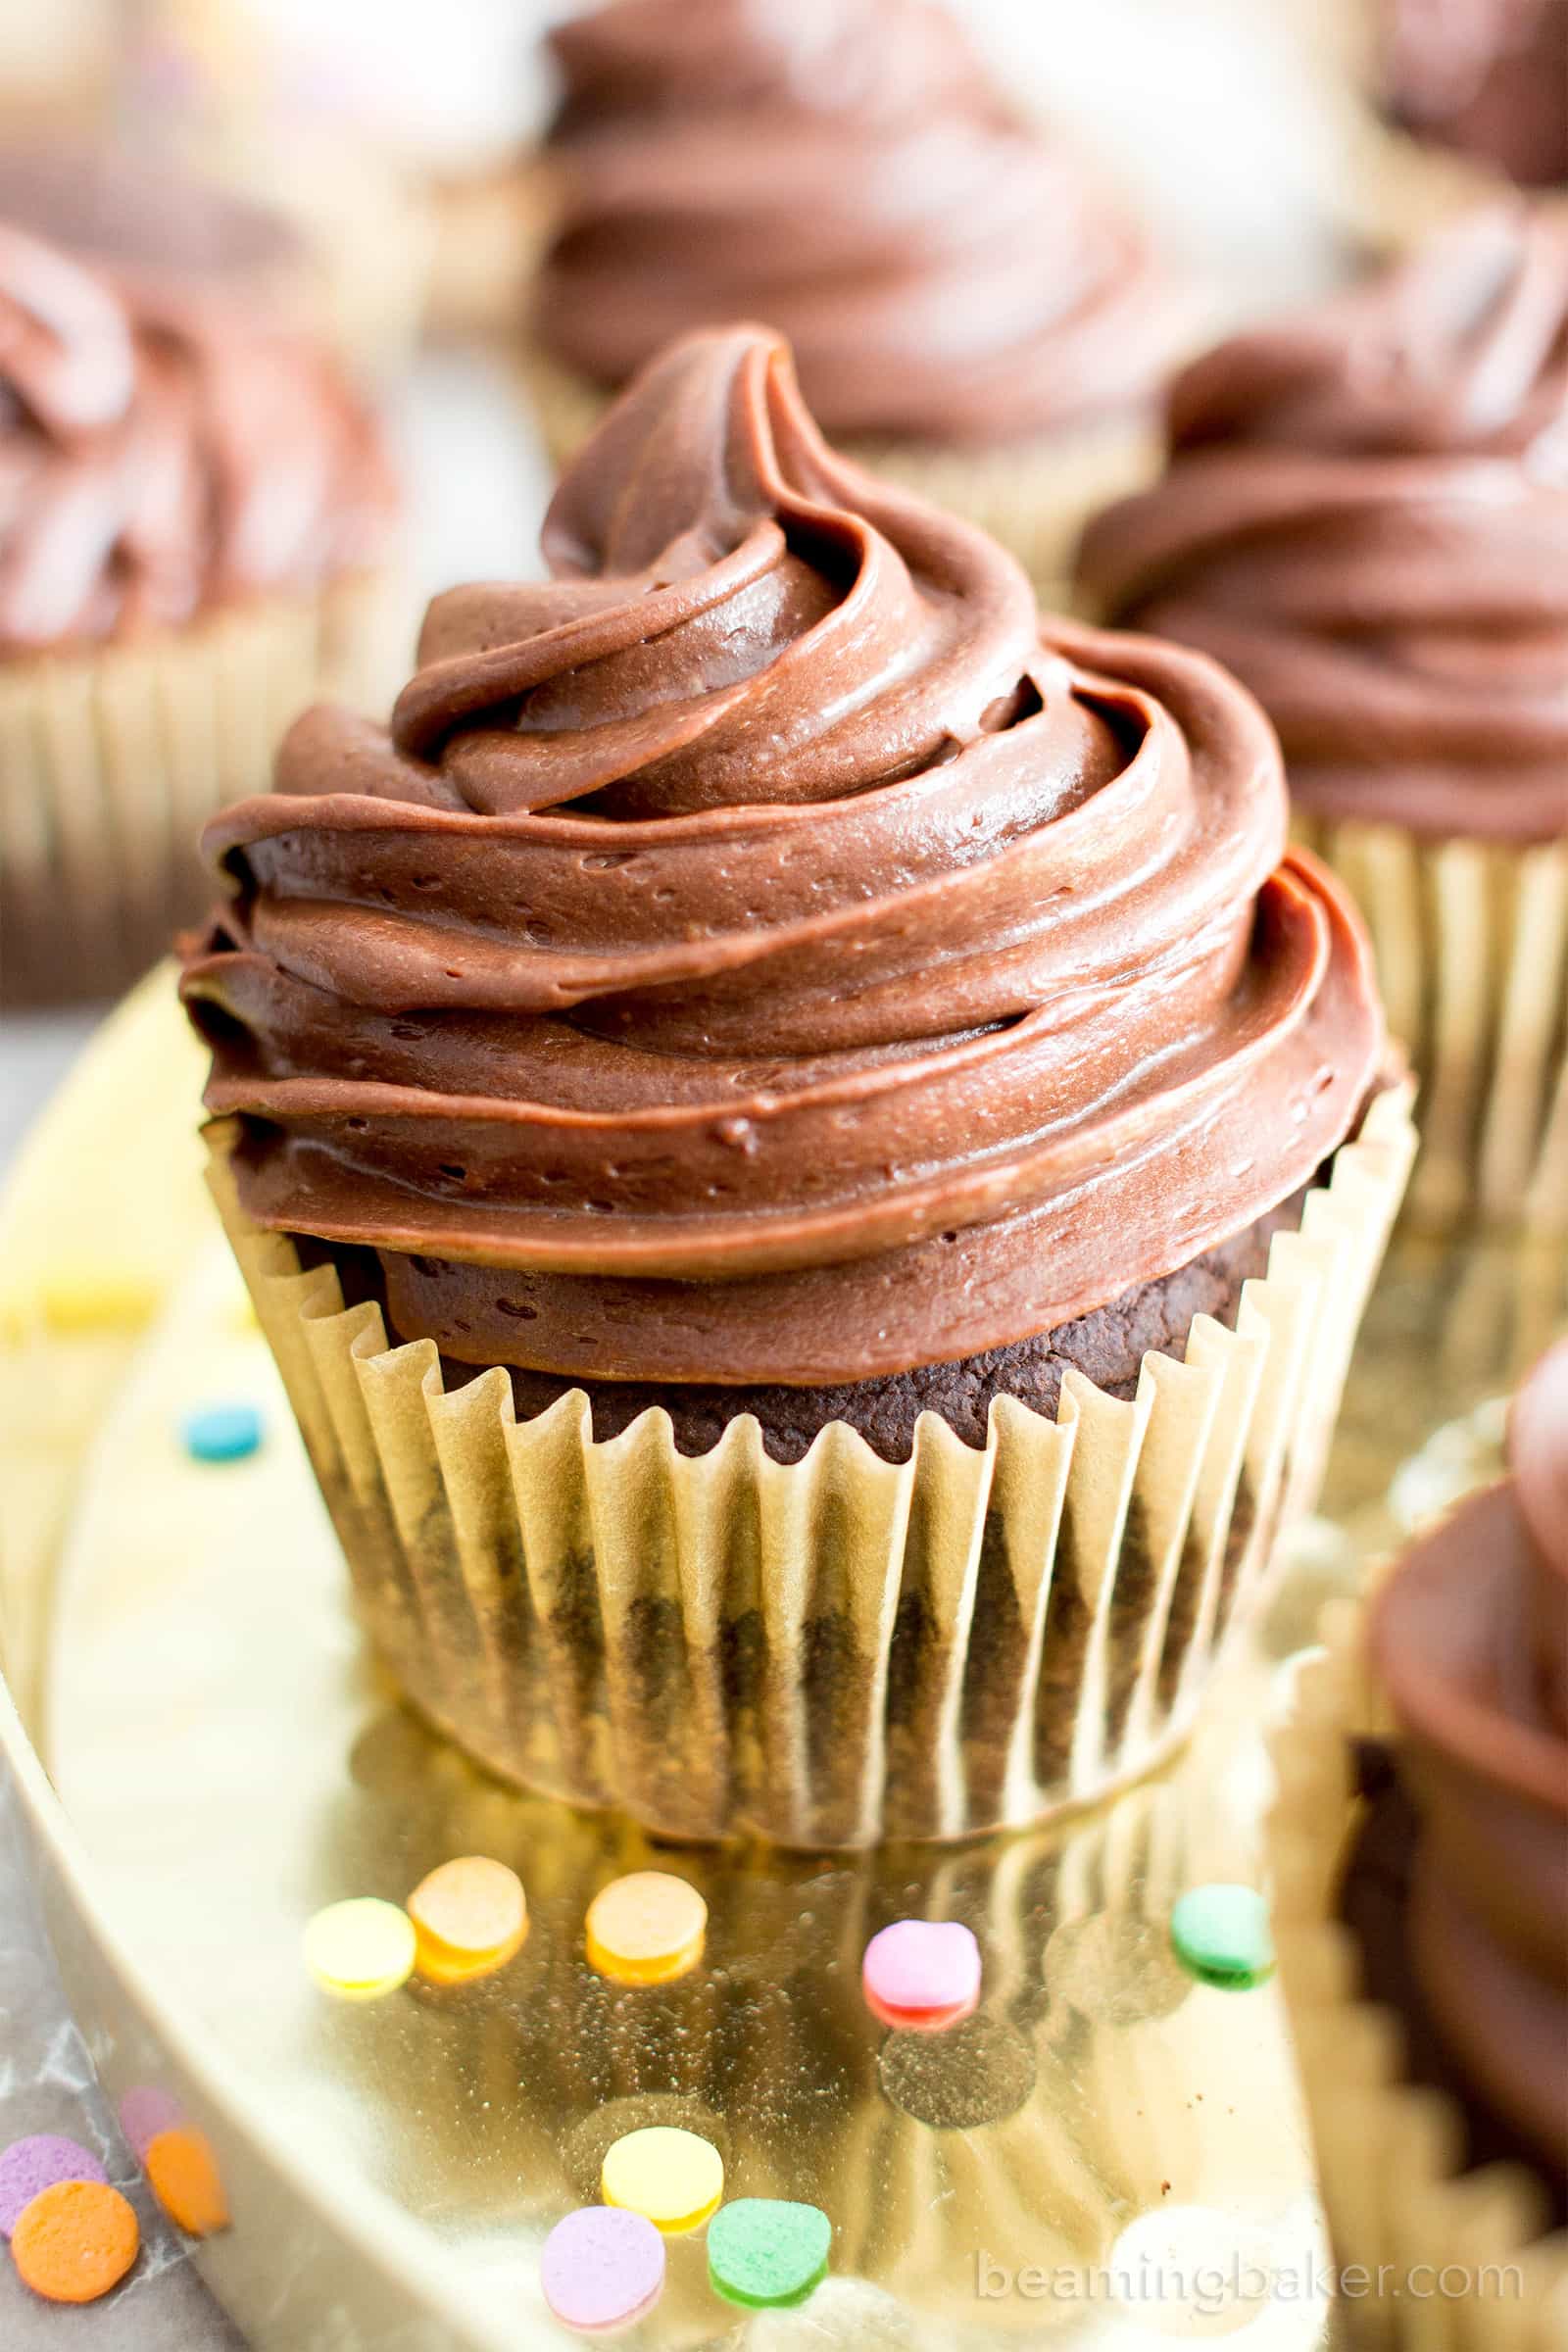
646 1929
360 1949
672 2177
82 1299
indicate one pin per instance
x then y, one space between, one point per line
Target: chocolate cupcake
1443 104
194 537
1422 1855
792 1138
970 313
1365 515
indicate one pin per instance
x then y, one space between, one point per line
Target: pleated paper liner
491 232
1033 497
841 1649
110 760
1472 950
1387 2150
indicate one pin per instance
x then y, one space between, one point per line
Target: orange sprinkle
74 2241
470 1916
182 2173
646 1929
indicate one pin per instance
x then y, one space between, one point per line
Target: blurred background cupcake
1365 515
195 537
971 312
1421 1864
1443 104
251 96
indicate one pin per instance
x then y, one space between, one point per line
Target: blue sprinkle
223 1433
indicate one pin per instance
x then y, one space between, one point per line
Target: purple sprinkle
601 2267
30 2166
144 2112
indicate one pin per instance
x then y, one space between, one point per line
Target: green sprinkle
766 2253
1220 1935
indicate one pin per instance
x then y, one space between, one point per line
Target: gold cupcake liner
1033 497
490 235
1460 2257
111 759
842 1649
1472 950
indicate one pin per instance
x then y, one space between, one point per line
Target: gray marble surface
47 2085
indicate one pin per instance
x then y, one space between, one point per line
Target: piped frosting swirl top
1365 514
1471 1642
160 453
756 954
847 172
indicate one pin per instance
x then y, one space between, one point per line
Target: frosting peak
943 272
1365 514
709 581
761 920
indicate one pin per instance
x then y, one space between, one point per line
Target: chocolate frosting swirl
160 454
1488 77
1471 1643
1365 514
755 954
847 172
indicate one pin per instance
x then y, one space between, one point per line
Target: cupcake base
1033 497
842 1648
111 759
1471 940
1403 2215
1108 1347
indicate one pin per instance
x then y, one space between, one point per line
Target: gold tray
205 1756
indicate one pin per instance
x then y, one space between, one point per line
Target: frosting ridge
1365 515
943 272
160 453
761 920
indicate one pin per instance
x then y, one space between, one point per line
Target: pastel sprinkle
670 2177
223 1433
38 2163
144 2112
767 2252
182 2173
600 2268
646 1929
74 2241
360 1949
469 1916
922 1974
1220 1935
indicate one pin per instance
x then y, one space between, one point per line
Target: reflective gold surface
228 1763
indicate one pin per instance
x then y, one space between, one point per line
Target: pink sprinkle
601 2268
145 2112
921 1972
31 2165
